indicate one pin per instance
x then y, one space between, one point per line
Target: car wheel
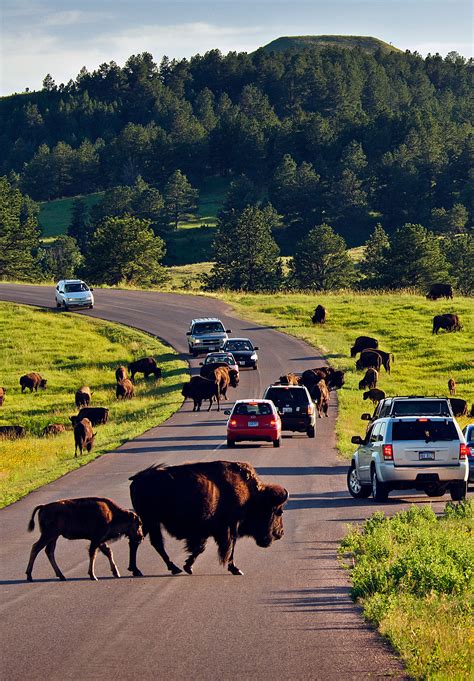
379 488
458 491
230 443
254 367
91 307
435 491
194 353
310 432
277 443
354 485
66 308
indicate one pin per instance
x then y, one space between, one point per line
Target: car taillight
273 422
310 409
388 452
233 422
463 451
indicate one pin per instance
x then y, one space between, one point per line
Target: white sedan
72 293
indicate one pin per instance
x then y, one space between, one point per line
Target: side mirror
227 412
201 363
228 330
256 347
366 417
90 288
188 333
357 440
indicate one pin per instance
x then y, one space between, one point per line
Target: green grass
302 42
70 351
414 576
402 322
55 216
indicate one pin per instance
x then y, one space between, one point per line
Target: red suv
253 420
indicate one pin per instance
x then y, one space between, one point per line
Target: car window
208 327
429 431
420 408
295 396
383 430
368 435
261 409
75 288
238 345
470 433
375 433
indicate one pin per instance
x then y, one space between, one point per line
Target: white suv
73 293
426 453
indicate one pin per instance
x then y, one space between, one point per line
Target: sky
59 37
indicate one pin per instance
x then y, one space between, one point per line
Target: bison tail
31 524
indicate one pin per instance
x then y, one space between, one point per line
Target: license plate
242 363
426 456
252 423
287 410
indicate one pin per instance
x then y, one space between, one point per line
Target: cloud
72 18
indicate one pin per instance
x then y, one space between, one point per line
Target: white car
73 293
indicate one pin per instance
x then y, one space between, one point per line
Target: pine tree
19 233
180 198
460 256
79 227
61 259
373 265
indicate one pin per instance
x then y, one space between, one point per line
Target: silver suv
426 453
206 334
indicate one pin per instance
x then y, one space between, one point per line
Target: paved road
289 616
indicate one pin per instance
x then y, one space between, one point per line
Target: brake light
463 451
423 420
233 422
388 452
310 409
273 422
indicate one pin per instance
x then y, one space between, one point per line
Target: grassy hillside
303 42
55 216
59 347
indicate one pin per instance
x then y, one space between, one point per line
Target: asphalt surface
289 616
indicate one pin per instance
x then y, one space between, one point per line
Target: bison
370 379
83 436
320 395
125 389
12 432
449 322
452 387
335 379
121 373
96 519
289 379
219 499
96 415
2 395
33 381
319 316
374 395
83 397
440 291
53 429
364 343
146 366
369 359
458 406
199 389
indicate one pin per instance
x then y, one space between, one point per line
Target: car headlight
197 340
254 356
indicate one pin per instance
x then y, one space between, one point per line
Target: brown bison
53 429
96 415
449 322
440 291
83 397
98 520
220 499
146 366
374 395
335 379
2 395
452 387
83 436
121 373
12 432
364 343
33 381
320 395
199 389
369 359
319 316
370 379
125 389
458 406
289 379
208 371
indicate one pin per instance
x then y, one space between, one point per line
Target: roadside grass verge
413 574
70 351
401 321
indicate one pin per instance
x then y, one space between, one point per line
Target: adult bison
319 316
320 396
121 373
33 381
369 358
83 397
440 291
12 432
219 499
146 366
199 389
2 395
83 436
449 322
125 389
458 406
374 395
364 343
289 379
209 371
96 415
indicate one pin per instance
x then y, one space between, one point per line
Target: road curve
289 616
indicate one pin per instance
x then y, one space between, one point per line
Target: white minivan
73 293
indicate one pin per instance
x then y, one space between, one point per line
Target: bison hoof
137 573
29 578
93 578
116 574
188 569
233 569
174 569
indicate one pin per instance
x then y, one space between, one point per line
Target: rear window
428 431
238 345
295 396
421 408
249 409
208 327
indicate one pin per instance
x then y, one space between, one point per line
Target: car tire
194 353
458 491
65 308
277 443
310 431
230 443
91 307
436 491
379 489
254 367
354 485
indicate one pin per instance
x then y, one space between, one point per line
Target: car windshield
259 408
429 431
76 288
219 358
208 327
421 408
238 345
291 396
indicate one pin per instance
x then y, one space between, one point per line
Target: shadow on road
335 599
303 470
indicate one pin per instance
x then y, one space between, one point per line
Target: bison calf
146 366
99 520
53 429
33 381
374 395
125 389
120 373
370 379
83 436
83 397
452 387
2 395
319 316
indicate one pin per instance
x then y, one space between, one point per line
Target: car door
365 452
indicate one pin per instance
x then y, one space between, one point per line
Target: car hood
80 295
242 353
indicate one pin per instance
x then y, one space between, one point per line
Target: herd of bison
220 500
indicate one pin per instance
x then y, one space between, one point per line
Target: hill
303 42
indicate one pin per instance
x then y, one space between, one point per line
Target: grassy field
71 351
55 216
402 322
414 576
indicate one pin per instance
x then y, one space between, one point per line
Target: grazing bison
121 373
83 436
33 381
83 397
472 410
219 499
440 291
99 520
320 395
335 379
2 395
374 395
146 366
12 432
199 389
289 379
53 429
449 322
452 387
319 316
364 343
369 359
96 415
125 389
370 379
458 406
